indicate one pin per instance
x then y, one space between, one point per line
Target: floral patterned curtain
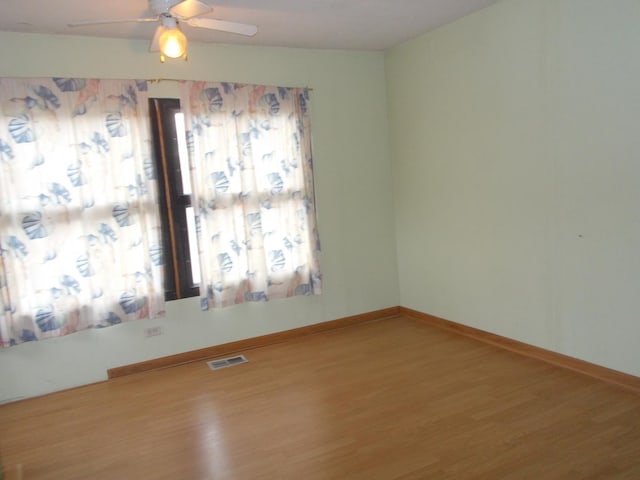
250 153
80 241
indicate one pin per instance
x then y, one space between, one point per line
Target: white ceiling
324 24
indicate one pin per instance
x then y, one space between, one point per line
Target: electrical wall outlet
153 331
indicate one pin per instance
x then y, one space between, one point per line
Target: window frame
173 201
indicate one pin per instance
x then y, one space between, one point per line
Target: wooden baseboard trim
249 343
621 379
605 374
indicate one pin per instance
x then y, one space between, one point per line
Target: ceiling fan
168 39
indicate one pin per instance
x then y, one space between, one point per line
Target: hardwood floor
392 399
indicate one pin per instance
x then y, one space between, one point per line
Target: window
236 193
182 271
90 224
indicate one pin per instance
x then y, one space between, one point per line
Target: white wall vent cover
227 362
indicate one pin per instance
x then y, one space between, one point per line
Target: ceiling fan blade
155 43
115 20
224 26
190 8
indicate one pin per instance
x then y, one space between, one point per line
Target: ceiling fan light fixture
168 39
173 43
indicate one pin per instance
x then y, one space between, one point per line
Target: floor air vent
227 362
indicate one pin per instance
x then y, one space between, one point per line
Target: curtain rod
163 79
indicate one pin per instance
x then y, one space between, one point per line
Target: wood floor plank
391 399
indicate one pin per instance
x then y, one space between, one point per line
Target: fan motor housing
158 7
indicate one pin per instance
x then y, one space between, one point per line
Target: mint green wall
353 188
515 138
